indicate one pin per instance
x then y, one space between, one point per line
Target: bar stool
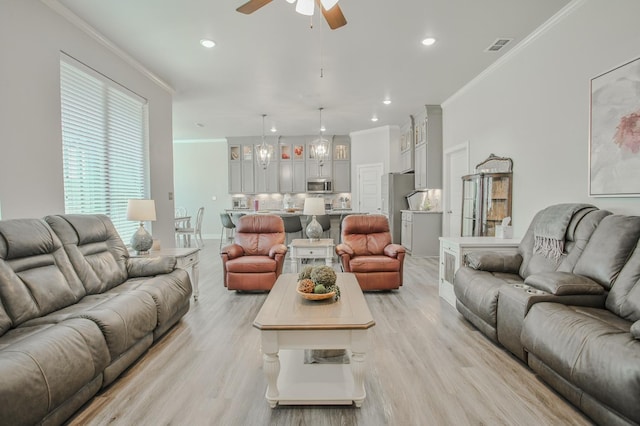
292 224
325 221
228 227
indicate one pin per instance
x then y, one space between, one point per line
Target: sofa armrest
344 249
494 261
392 250
635 330
149 266
277 249
232 251
564 283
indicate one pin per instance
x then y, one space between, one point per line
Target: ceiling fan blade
334 16
252 5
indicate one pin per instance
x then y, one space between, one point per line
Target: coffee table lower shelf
313 384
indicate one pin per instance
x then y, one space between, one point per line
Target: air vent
498 44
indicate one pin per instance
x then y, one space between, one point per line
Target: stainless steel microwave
319 186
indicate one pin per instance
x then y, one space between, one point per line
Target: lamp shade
313 207
141 210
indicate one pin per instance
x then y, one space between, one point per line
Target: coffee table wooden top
285 309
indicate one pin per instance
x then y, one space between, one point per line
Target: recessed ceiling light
322 128
428 41
273 129
374 118
207 43
386 101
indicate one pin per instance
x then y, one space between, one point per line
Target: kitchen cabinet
316 168
428 148
292 176
452 257
341 164
420 232
406 147
241 172
486 200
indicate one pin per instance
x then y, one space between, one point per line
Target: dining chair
292 224
195 231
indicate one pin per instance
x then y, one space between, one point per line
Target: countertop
422 211
334 212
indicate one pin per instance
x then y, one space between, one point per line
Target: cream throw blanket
551 227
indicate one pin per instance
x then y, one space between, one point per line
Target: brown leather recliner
256 258
367 251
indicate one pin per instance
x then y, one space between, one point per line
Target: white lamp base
314 229
141 241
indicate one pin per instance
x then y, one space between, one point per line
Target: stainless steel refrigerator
394 188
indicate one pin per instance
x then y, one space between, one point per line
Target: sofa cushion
624 297
251 264
258 233
366 234
589 347
36 277
44 366
374 264
94 248
494 261
609 248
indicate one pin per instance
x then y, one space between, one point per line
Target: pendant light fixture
264 151
320 146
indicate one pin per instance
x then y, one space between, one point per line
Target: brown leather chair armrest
232 251
277 249
344 249
393 250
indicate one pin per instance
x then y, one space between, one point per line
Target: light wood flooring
426 366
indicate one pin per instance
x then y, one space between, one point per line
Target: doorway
369 182
456 165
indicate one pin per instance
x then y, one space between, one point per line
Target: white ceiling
269 62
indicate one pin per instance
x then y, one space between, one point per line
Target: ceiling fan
330 9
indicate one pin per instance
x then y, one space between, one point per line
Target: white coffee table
289 324
306 249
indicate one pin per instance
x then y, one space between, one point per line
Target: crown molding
74 19
214 140
538 32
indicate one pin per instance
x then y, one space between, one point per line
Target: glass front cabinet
486 200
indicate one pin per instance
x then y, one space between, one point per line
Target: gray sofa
75 312
575 319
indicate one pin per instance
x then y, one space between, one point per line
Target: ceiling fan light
305 7
328 4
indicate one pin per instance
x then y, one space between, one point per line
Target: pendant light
320 146
264 151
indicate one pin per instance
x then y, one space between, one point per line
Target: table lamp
141 210
313 207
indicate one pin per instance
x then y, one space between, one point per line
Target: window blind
104 142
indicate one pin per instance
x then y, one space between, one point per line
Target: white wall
534 106
31 182
202 172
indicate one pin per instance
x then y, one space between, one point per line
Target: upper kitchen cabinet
267 177
241 169
427 134
291 161
406 146
341 164
319 159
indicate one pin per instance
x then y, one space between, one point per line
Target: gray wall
31 182
534 106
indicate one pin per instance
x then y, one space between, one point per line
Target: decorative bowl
316 296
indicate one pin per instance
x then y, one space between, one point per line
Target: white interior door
456 165
369 182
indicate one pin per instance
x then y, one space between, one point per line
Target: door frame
446 184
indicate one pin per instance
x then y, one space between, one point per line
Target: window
104 142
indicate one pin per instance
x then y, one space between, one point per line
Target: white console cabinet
452 251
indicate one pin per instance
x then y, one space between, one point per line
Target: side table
186 258
305 249
452 251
